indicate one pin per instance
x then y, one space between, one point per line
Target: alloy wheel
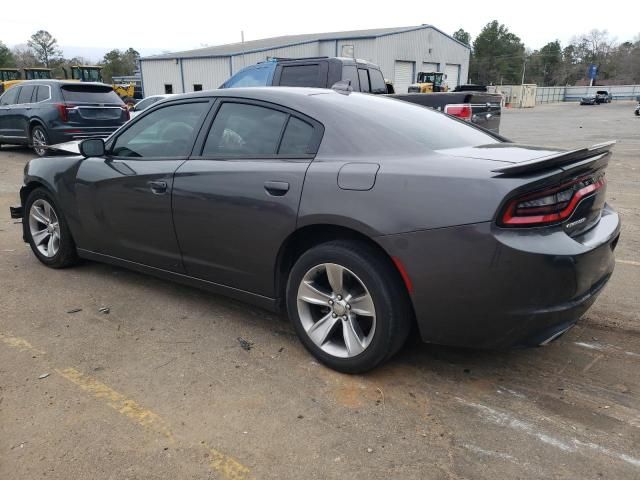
39 141
336 310
44 227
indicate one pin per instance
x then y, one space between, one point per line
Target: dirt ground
160 388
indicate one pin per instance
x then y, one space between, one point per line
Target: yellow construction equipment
8 78
429 82
37 73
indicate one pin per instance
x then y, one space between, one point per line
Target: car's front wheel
348 305
47 231
39 140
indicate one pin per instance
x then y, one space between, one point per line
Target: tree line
498 56
42 50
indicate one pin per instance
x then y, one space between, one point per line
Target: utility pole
242 40
524 69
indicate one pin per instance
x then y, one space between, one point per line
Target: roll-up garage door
452 71
403 76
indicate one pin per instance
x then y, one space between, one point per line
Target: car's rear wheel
348 305
39 140
47 231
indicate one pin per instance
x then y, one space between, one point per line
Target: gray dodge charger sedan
359 216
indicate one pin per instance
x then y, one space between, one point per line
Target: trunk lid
559 186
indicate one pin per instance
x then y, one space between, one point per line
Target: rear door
124 200
236 200
20 112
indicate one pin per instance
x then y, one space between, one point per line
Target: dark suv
320 72
46 112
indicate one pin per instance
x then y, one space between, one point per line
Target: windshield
9 75
38 74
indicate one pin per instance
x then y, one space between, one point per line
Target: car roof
51 82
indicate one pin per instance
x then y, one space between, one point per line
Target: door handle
277 189
158 187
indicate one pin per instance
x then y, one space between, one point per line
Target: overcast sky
155 26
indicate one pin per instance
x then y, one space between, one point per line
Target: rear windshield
387 126
90 94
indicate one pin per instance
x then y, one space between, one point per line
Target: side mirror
92 147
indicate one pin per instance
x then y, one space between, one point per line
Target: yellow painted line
19 343
629 262
127 407
227 466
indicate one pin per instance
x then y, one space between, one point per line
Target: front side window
364 80
10 96
243 130
377 81
166 132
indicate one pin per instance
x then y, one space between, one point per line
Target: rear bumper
486 287
70 133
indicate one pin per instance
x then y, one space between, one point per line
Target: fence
573 94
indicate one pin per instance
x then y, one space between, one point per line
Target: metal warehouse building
401 53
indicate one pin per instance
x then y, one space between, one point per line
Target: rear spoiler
593 153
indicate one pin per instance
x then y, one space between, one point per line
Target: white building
401 52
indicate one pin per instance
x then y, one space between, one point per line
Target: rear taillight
460 110
63 110
552 205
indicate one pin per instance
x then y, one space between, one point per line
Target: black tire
393 313
36 132
66 254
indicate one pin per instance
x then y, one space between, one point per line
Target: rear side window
90 94
297 137
42 93
350 72
10 96
364 80
26 93
300 76
166 132
377 81
245 130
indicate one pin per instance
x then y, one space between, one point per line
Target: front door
10 130
237 200
124 199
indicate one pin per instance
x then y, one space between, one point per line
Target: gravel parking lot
159 386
